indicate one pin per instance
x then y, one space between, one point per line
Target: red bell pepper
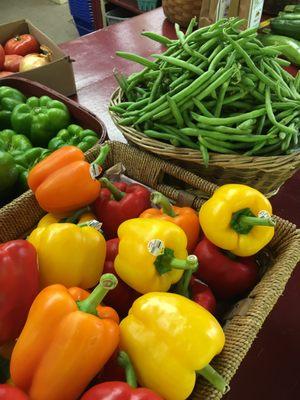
192 288
119 202
19 285
123 296
8 392
121 390
227 276
201 294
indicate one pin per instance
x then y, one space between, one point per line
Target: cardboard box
58 74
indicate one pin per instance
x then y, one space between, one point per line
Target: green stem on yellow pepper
166 262
76 216
116 193
244 220
160 200
102 155
89 305
213 377
125 362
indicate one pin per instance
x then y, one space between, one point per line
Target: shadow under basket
245 318
266 174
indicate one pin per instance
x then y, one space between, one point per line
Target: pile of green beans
216 89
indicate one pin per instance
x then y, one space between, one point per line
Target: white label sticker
263 214
95 170
156 247
95 224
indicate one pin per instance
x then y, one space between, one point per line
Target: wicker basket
247 317
181 11
266 174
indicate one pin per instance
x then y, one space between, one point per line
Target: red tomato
12 62
5 73
22 45
2 55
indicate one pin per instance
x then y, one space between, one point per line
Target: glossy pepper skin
169 330
8 392
19 285
25 161
118 202
9 99
231 219
202 295
74 135
185 217
138 267
40 119
63 182
69 254
8 173
227 277
13 143
121 390
63 344
123 296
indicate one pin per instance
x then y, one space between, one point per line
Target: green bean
269 149
208 45
271 115
127 121
138 104
217 149
168 136
282 62
214 53
297 81
179 80
261 125
138 59
175 111
229 120
117 109
225 129
179 63
192 24
126 104
204 153
158 38
248 82
202 108
277 77
220 99
223 136
251 64
187 119
256 148
228 145
194 35
155 87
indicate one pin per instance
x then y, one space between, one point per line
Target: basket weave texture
266 174
247 317
181 11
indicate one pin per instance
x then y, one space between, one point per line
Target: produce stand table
271 369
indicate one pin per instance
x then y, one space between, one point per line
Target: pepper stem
125 362
77 214
244 220
183 285
117 194
166 262
160 200
214 378
89 305
102 155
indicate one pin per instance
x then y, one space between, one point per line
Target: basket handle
185 187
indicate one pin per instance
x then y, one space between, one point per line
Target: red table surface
271 369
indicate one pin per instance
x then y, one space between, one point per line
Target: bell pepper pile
109 298
30 129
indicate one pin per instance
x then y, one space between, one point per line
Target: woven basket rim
263 163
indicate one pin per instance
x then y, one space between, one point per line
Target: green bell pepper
40 119
13 143
9 98
8 173
25 162
74 135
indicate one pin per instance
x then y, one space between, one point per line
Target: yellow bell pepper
170 333
152 254
238 218
80 216
69 254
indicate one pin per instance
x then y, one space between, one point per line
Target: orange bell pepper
64 344
64 182
103 312
185 217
